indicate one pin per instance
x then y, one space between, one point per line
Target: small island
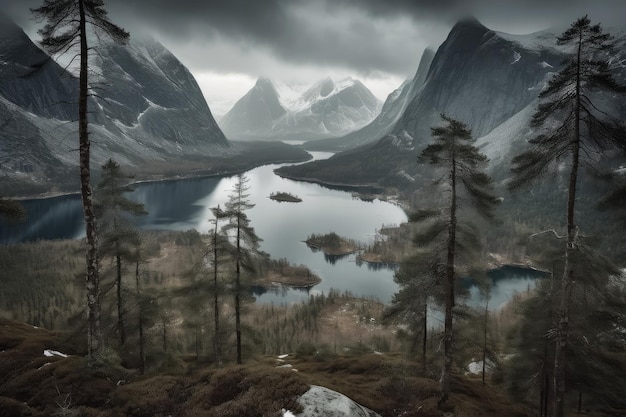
280 271
332 244
285 197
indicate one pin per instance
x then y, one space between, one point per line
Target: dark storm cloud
298 31
350 33
364 35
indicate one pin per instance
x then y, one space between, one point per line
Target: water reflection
279 290
186 204
332 259
505 283
52 218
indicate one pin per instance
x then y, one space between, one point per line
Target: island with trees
281 272
284 197
332 244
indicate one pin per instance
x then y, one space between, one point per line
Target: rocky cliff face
30 79
150 111
151 98
327 109
254 114
478 76
392 110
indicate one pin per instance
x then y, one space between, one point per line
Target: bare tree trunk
216 307
449 293
237 292
164 336
485 340
568 271
120 308
425 336
94 330
142 355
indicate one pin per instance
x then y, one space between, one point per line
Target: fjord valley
206 213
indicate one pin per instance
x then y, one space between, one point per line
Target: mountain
391 111
254 114
32 87
327 109
478 76
150 113
156 101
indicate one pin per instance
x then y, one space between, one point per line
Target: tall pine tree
246 243
119 238
452 238
67 29
571 126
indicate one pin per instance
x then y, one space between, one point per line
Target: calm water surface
186 204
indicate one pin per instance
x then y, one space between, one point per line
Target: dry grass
387 383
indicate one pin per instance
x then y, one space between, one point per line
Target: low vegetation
389 383
334 339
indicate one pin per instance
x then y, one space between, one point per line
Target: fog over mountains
326 109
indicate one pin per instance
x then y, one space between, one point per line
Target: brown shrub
159 395
246 392
13 408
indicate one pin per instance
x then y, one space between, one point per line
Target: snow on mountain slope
483 78
254 114
391 111
507 140
149 109
327 108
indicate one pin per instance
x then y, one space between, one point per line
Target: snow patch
476 367
544 64
50 353
516 57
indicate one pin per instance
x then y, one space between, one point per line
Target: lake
185 204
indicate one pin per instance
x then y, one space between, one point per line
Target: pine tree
454 151
418 283
66 29
595 346
246 244
217 247
118 236
572 126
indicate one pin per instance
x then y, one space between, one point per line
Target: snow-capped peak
288 93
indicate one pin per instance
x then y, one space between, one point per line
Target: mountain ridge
155 115
327 108
478 76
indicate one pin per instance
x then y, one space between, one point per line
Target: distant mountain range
150 116
327 109
486 79
391 111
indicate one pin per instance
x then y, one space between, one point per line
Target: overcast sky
228 44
